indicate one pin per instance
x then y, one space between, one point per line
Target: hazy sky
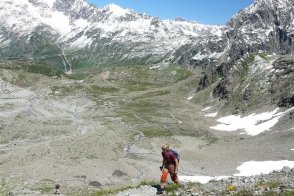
203 11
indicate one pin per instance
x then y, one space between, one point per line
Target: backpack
177 155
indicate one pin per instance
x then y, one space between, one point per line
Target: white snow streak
191 97
249 168
253 124
256 168
200 179
205 109
211 114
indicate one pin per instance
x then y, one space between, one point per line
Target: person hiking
170 165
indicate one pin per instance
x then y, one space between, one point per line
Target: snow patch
253 124
214 55
191 97
249 168
81 23
116 10
207 108
211 114
49 2
260 64
262 167
58 21
82 42
200 179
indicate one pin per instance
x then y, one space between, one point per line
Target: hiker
57 189
10 193
170 164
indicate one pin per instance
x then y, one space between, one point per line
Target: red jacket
169 157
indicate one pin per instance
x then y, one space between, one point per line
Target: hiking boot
160 192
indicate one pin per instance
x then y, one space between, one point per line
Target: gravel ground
48 138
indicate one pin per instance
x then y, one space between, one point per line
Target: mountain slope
93 36
74 34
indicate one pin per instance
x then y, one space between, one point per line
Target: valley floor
105 129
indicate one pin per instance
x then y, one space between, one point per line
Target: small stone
95 184
286 169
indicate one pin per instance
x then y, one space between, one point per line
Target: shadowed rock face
264 26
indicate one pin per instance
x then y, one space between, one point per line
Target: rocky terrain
102 128
83 106
275 183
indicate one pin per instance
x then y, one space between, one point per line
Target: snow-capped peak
49 2
32 13
282 2
116 11
261 4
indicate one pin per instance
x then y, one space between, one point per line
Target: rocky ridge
274 183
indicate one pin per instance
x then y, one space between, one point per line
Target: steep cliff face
262 31
265 26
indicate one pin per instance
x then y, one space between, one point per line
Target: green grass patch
263 56
289 193
271 193
245 67
203 95
103 89
153 94
62 90
115 191
137 85
77 76
273 184
145 106
3 189
156 131
243 192
147 182
171 188
46 189
182 74
128 116
44 69
105 192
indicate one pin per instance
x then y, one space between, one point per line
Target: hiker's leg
163 178
173 175
162 185
175 179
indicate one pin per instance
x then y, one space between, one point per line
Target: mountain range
72 34
88 96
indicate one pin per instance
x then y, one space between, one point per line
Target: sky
214 12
